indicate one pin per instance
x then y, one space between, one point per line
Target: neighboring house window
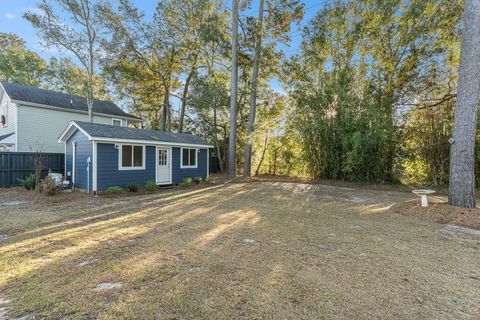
117 122
131 157
4 115
189 158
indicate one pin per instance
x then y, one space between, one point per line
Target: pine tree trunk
232 152
462 152
165 109
253 93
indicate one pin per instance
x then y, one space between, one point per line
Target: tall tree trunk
217 142
166 106
275 162
185 94
462 153
90 97
232 149
263 154
253 92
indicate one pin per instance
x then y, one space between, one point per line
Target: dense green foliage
365 69
369 97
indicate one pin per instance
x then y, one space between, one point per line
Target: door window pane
126 156
138 156
162 157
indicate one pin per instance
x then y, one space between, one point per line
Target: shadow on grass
235 251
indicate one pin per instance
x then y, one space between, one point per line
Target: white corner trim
65 160
197 150
74 160
208 162
16 125
120 155
94 166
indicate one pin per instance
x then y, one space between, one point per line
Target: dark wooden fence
19 165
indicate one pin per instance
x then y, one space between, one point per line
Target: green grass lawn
234 251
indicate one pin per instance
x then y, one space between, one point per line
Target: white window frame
196 158
120 157
116 119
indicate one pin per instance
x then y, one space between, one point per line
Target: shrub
151 185
198 180
131 187
29 183
47 186
208 179
186 182
114 190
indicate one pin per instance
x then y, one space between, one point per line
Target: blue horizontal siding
84 150
178 173
108 174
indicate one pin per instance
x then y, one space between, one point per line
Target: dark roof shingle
127 133
61 100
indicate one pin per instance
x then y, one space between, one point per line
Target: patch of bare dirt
440 212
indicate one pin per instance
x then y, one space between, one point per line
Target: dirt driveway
236 251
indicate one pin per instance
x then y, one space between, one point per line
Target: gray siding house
33 118
99 156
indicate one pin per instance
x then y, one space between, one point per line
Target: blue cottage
99 156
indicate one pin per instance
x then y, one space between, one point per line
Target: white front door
164 159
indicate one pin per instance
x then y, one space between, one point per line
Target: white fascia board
150 142
38 105
65 135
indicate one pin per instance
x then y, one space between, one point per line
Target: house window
117 122
4 114
189 158
131 157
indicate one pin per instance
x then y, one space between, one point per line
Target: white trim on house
196 158
208 163
39 105
65 160
67 133
120 157
74 160
94 167
169 164
16 124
